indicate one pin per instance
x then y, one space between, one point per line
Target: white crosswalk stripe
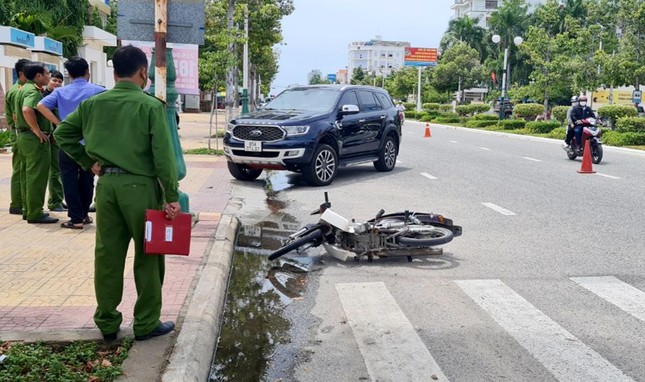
559 351
390 346
621 294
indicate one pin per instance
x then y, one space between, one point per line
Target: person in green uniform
127 143
55 200
16 204
33 144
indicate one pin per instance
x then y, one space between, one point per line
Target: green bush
542 127
613 112
426 117
471 109
560 113
409 106
431 106
412 114
445 108
479 123
528 111
4 138
447 118
616 138
631 124
557 133
512 124
485 117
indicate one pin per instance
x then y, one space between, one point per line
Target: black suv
315 130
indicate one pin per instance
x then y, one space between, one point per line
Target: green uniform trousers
16 190
34 167
55 184
121 201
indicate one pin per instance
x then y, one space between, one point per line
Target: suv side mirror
349 110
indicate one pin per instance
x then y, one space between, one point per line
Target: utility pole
245 63
419 91
161 30
231 86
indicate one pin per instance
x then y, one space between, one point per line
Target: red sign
420 56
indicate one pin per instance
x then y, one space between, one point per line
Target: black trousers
78 188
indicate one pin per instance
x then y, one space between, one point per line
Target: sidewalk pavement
46 287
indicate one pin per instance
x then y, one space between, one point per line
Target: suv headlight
296 130
230 127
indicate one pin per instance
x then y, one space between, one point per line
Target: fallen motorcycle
405 234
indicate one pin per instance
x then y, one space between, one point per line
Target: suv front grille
258 133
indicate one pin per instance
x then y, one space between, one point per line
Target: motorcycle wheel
596 153
312 236
438 236
571 154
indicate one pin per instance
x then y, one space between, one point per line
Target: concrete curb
193 351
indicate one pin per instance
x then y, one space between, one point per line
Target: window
385 101
349 98
368 102
491 4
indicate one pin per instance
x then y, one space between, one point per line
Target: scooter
592 132
405 234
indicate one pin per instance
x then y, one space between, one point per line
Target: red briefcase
167 237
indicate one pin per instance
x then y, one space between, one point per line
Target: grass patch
219 134
203 151
636 147
78 361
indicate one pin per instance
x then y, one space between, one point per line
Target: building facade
376 56
481 9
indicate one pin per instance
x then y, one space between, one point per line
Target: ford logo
255 133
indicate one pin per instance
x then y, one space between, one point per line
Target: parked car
507 106
314 130
640 110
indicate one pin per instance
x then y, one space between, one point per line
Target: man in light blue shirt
78 184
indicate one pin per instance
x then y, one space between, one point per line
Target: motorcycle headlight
230 127
296 130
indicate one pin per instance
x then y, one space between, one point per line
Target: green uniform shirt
126 128
9 103
29 95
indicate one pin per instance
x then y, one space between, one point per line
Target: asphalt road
545 284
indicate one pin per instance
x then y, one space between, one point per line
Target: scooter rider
580 112
569 137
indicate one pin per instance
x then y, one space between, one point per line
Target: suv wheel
322 169
387 155
243 172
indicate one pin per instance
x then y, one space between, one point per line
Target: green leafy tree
464 29
458 64
402 82
316 79
508 21
358 76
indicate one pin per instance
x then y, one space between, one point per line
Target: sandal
70 225
88 220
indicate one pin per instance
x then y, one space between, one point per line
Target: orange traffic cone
428 134
586 167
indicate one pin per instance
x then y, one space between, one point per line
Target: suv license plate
253 146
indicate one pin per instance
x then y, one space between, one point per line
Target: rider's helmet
582 98
574 99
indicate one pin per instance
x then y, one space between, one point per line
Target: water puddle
254 321
275 182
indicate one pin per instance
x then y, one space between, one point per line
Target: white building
481 8
376 56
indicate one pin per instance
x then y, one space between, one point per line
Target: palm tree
464 29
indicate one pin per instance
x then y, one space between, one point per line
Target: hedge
558 133
616 138
631 124
426 117
412 114
474 108
613 112
542 127
4 138
410 106
511 124
445 108
431 106
484 117
447 118
479 123
528 111
560 113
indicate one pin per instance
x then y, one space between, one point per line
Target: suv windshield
307 99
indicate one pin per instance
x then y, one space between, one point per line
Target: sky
317 33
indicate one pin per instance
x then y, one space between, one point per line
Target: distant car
507 106
314 130
641 111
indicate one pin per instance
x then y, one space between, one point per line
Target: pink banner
186 58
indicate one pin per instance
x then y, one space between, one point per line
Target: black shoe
110 336
58 209
15 210
24 217
45 219
160 330
92 208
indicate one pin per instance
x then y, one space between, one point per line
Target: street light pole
517 41
245 63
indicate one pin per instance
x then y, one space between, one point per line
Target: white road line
428 176
621 294
484 148
390 346
454 142
533 159
559 351
499 209
607 176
